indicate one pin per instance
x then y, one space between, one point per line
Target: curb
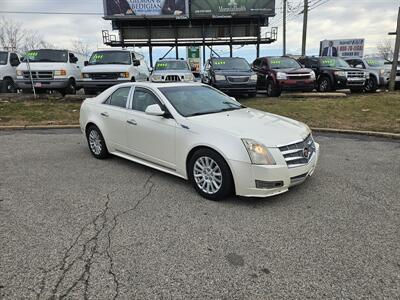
388 135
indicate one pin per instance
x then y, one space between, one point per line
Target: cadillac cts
198 133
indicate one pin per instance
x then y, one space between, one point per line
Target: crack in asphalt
89 250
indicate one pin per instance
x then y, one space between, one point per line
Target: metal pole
305 20
30 77
204 44
392 83
258 38
284 26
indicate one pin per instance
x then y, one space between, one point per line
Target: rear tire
8 86
210 175
272 89
96 142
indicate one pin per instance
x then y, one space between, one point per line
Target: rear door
151 138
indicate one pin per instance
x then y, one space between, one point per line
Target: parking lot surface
75 227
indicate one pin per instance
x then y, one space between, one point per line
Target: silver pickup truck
379 72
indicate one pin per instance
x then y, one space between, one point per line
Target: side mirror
154 110
136 62
303 66
86 63
151 70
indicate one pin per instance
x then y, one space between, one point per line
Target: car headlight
366 75
20 73
85 75
60 73
340 73
124 75
312 74
281 76
156 78
189 77
253 77
258 153
220 77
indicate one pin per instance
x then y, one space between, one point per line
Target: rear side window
119 98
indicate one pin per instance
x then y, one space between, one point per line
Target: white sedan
198 133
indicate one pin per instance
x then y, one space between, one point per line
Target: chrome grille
105 76
295 154
39 75
172 78
355 74
299 76
238 78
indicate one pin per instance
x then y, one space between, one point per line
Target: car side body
9 61
167 142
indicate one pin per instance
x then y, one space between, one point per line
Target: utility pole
392 83
305 20
284 26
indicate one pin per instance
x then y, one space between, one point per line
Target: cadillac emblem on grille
306 153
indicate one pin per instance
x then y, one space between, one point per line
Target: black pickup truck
334 73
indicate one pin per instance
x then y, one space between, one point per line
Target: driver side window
142 99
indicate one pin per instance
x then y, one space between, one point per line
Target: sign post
392 83
193 57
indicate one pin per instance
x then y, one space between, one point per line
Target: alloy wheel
95 142
207 174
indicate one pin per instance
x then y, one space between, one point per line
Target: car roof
161 84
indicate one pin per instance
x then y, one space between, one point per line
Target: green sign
227 8
193 52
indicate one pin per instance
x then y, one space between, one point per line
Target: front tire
371 85
324 85
210 175
8 86
70 89
96 142
272 89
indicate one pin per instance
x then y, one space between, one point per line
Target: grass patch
369 112
39 113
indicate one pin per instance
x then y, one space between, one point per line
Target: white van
9 62
51 70
110 67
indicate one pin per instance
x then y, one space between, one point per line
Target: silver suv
379 71
172 70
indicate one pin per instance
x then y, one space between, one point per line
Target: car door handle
131 122
104 114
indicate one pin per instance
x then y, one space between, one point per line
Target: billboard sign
230 8
170 9
193 57
342 48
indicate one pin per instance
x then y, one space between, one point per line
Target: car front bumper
276 179
345 83
42 83
99 84
297 85
226 87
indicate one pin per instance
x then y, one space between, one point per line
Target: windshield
375 62
47 56
171 65
3 58
198 100
110 58
333 62
230 64
283 63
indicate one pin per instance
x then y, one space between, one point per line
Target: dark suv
232 75
333 73
277 74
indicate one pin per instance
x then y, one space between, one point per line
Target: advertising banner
193 57
229 8
173 9
342 48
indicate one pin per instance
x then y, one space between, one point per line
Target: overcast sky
369 19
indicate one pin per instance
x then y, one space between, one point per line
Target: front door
151 138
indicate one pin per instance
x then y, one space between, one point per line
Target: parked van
9 62
110 67
49 69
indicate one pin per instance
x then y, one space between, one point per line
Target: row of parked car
66 72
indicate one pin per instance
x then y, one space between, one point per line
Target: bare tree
385 49
12 34
82 48
33 40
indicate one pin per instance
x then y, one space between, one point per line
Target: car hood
345 69
294 70
166 72
269 129
106 68
40 66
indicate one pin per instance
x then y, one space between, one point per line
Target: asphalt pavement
75 227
